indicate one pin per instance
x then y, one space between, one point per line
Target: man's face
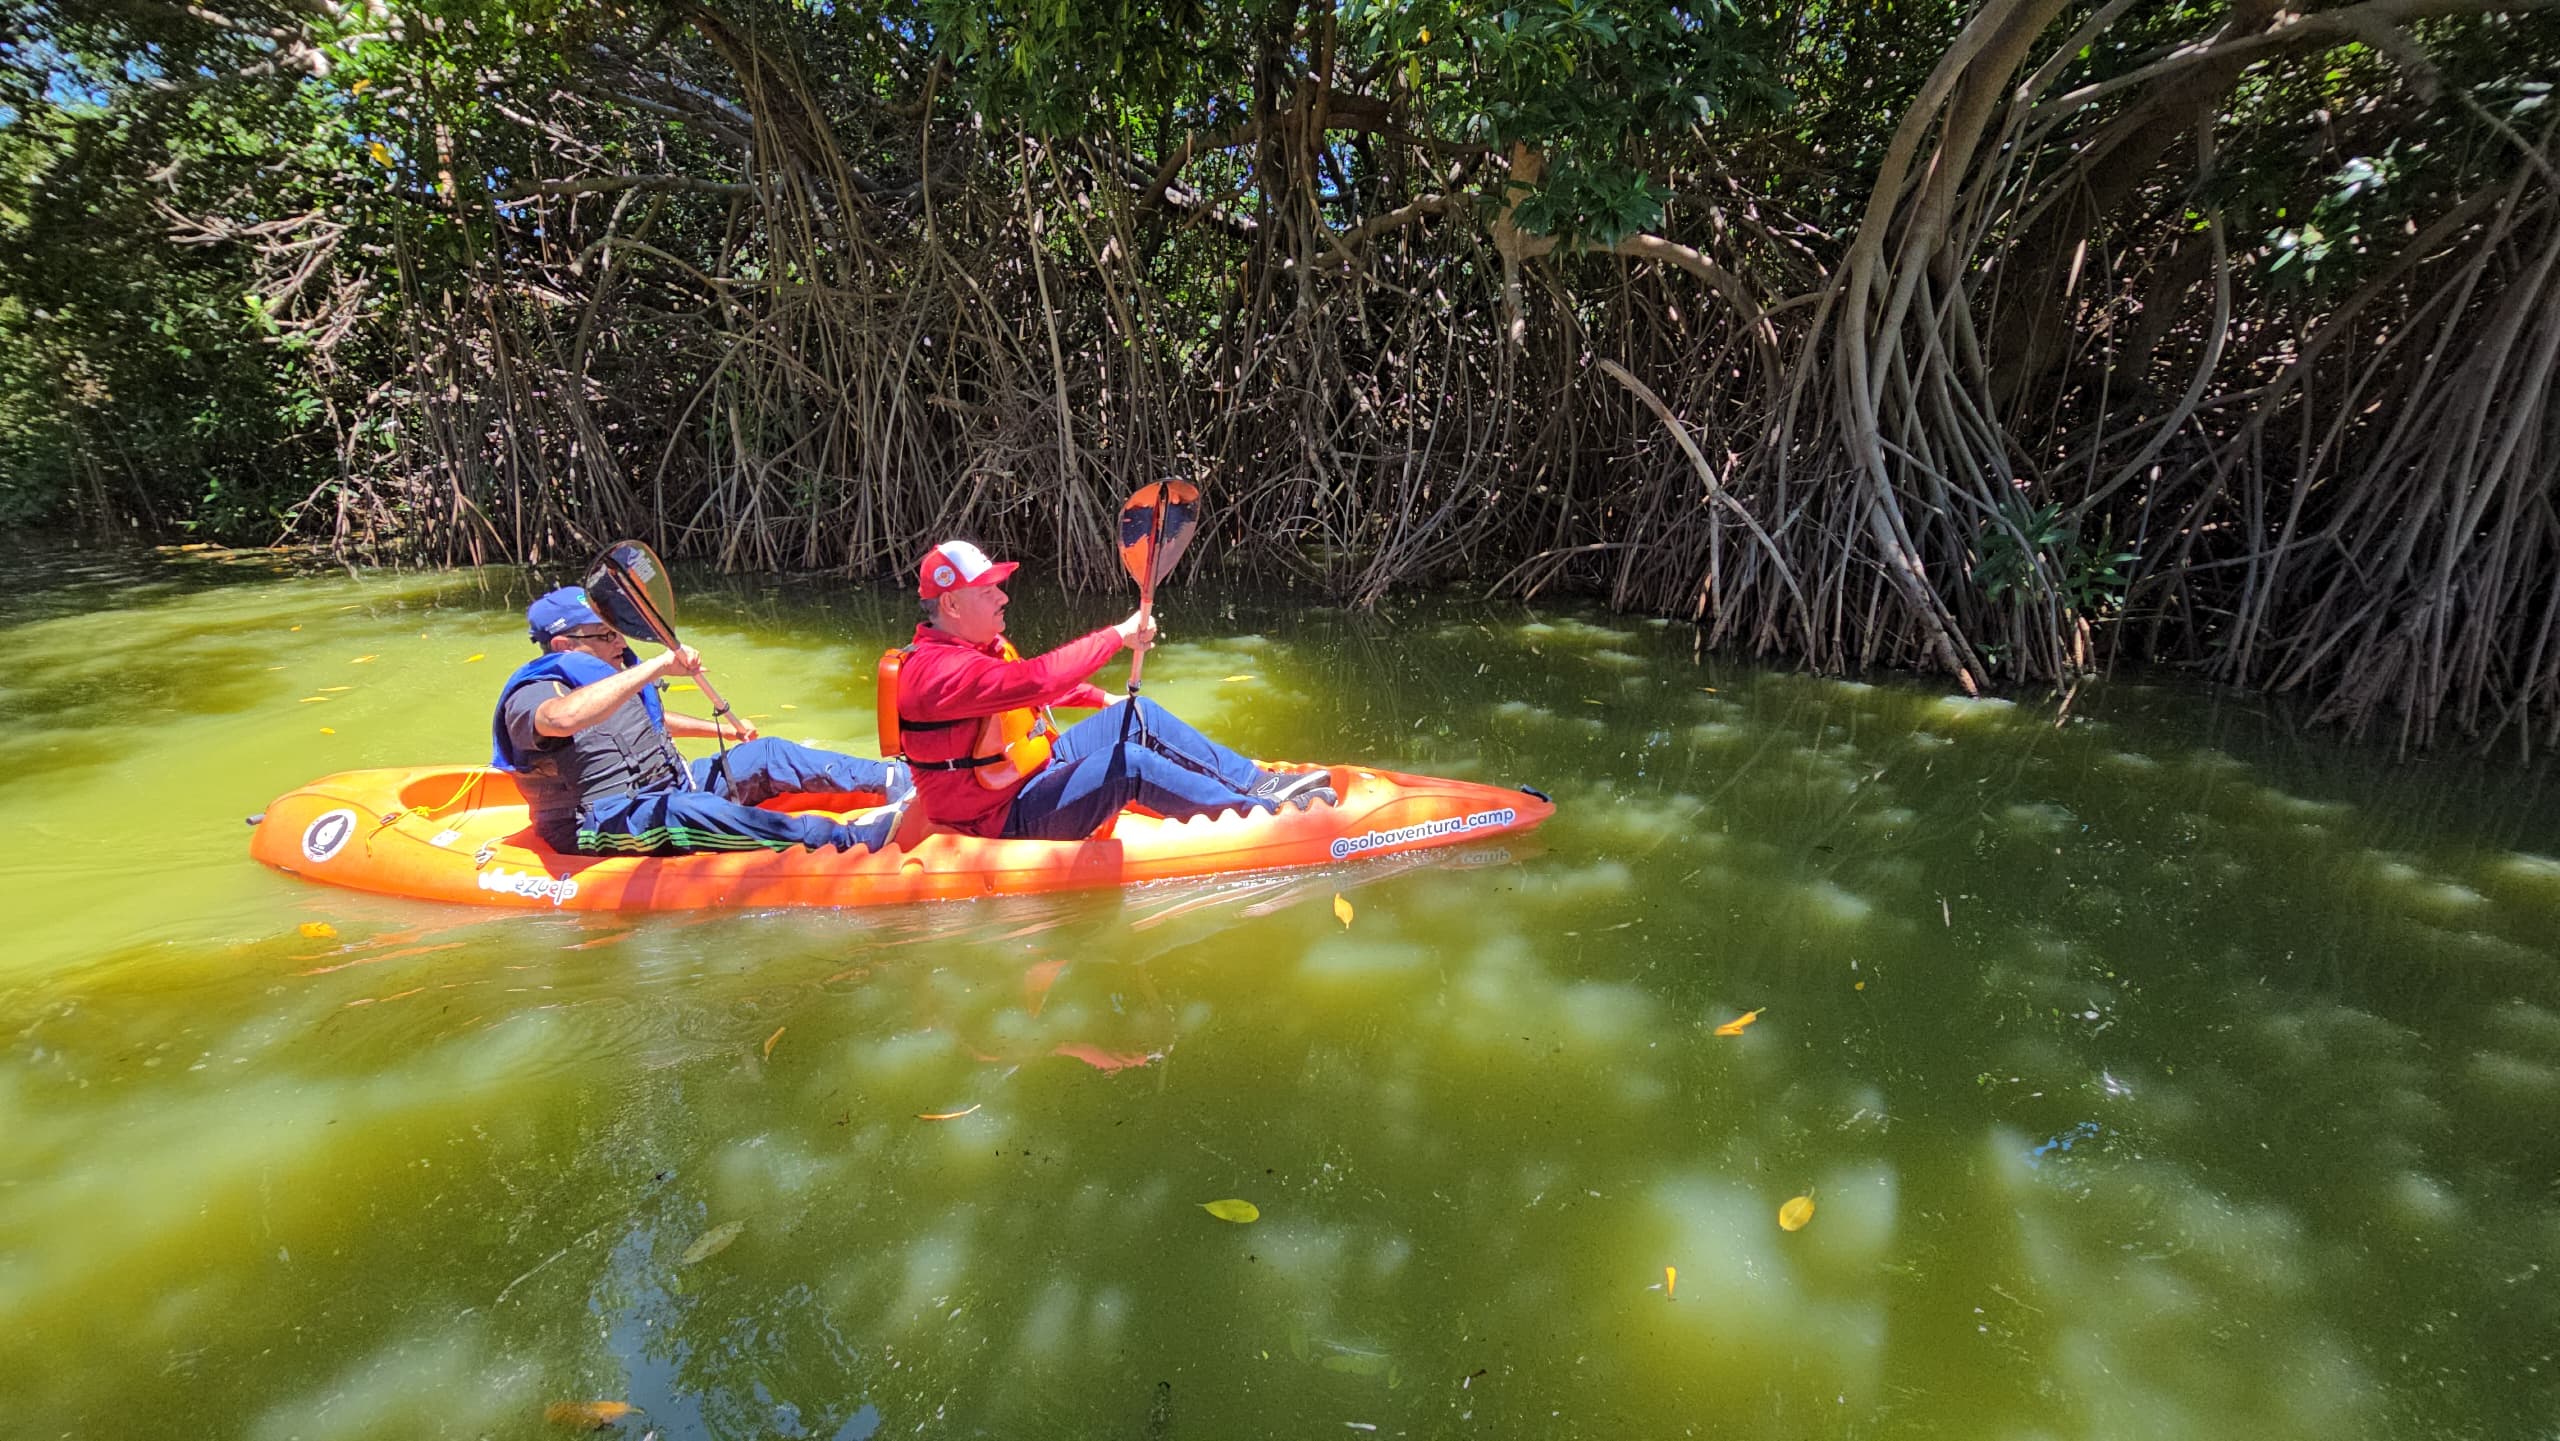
974 613
601 641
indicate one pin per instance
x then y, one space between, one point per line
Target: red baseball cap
956 563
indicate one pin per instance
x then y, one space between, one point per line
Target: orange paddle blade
1156 524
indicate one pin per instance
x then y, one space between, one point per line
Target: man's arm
566 715
695 728
955 683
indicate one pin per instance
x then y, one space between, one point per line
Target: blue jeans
722 816
1115 756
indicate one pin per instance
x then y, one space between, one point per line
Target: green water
2156 1074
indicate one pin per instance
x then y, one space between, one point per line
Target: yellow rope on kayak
470 782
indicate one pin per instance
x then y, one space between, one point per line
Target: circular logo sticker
944 575
327 836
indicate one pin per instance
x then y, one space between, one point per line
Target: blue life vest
572 668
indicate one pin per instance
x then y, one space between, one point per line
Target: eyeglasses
587 635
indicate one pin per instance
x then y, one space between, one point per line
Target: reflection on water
2155 1073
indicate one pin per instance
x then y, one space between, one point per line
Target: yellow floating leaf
293 627
312 699
1860 986
475 655
1793 1215
945 1115
334 689
786 705
318 930
328 730
1230 680
1342 909
1670 1281
769 1040
587 1415
362 659
1740 1023
381 153
712 1242
1243 1213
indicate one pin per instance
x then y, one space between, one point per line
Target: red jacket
945 679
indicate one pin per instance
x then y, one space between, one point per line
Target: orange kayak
459 833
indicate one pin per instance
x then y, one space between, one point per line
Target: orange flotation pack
1010 745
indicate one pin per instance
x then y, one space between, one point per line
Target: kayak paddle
629 585
1156 524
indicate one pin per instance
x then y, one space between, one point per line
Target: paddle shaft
1146 596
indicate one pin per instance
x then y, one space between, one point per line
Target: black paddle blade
1156 524
628 585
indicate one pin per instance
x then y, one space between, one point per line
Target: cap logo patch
944 575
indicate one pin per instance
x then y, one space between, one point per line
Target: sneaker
1289 785
877 826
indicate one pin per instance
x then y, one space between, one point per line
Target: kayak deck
460 834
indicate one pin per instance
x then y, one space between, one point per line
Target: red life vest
1009 748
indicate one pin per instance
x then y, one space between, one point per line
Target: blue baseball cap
565 609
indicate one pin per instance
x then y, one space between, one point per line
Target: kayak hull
459 834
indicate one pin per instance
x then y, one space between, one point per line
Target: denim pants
1135 750
721 815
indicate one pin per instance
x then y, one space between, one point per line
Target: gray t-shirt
624 754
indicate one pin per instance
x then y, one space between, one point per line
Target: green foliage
128 380
2030 550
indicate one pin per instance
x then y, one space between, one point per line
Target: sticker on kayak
327 836
1344 846
533 885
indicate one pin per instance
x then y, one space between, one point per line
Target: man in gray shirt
593 749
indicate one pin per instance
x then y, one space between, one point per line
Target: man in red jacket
958 681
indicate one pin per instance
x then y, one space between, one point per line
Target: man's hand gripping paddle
629 586
1156 524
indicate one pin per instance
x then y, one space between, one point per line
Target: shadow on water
2157 1073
